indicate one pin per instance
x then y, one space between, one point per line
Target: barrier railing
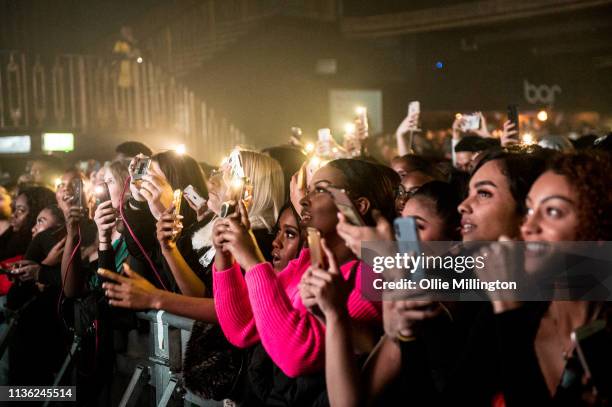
168 336
89 94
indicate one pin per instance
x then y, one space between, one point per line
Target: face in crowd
430 226
287 242
216 191
114 187
410 181
20 213
552 214
318 207
64 193
464 160
490 210
45 220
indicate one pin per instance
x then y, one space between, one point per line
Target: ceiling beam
459 15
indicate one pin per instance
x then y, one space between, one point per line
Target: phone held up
192 196
513 116
141 168
102 193
316 251
346 206
176 202
77 190
408 238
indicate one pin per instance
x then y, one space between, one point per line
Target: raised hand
354 235
157 191
509 134
106 219
403 319
200 211
54 257
329 288
169 227
132 291
238 239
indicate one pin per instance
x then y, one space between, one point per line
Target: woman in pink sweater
262 306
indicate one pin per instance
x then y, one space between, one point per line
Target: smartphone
593 346
176 201
513 116
314 244
192 196
414 108
346 206
406 235
142 167
102 193
302 177
235 164
77 189
324 135
471 121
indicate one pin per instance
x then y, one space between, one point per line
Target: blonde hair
267 179
119 171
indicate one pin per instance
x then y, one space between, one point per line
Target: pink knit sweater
267 307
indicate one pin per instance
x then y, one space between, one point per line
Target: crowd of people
82 247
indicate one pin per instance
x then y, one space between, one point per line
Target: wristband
137 204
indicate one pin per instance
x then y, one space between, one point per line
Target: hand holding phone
513 116
77 189
470 122
193 197
414 111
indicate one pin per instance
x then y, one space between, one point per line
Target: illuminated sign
58 142
15 144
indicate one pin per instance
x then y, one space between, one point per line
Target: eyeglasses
402 193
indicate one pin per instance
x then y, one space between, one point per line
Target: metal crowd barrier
168 338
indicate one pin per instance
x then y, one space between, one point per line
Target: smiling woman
495 205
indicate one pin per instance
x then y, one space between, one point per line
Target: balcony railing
89 94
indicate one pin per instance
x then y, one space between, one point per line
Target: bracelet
404 338
104 242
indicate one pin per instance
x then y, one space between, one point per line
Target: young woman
27 206
265 307
569 202
498 186
414 171
48 218
35 315
150 198
266 178
434 207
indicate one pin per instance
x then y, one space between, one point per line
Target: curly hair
590 175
